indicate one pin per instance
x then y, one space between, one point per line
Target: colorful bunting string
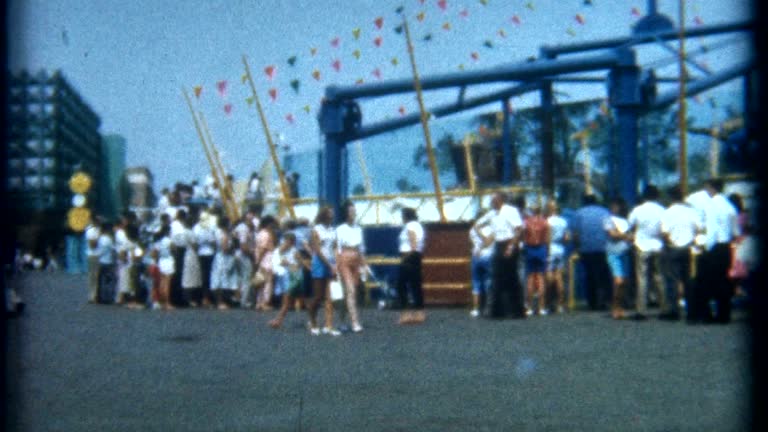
198 90
579 19
335 42
222 87
295 84
270 71
515 19
356 54
292 60
378 22
289 118
273 94
377 41
356 33
446 26
228 109
377 73
420 16
316 74
394 61
464 13
442 4
488 44
530 5
336 65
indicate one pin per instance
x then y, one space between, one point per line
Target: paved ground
80 367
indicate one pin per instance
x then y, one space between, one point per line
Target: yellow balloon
80 183
78 218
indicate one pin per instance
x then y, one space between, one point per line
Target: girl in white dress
191 278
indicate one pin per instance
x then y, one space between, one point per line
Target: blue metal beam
517 72
443 110
704 84
644 39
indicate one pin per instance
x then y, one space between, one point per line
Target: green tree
404 185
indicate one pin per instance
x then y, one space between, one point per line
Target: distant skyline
130 60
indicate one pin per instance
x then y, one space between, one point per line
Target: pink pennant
579 19
421 1
273 94
335 42
379 22
377 73
228 109
464 13
270 71
222 87
443 4
698 20
289 118
377 41
336 65
635 12
475 56
515 19
401 110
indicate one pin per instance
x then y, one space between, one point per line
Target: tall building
113 148
51 134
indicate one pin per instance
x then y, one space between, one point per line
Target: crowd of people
689 256
195 257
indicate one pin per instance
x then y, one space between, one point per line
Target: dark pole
547 139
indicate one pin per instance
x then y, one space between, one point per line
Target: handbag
258 278
337 290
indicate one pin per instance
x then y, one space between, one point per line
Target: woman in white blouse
351 260
411 241
323 245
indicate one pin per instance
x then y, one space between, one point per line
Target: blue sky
129 61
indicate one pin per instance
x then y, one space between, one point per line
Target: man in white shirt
205 232
482 257
719 217
645 222
506 228
178 248
680 224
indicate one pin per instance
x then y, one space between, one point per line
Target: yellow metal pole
280 175
682 112
468 161
425 125
214 173
572 281
587 164
227 192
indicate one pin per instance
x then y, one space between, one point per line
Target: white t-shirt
646 219
205 236
92 234
283 262
718 216
621 225
503 222
350 236
327 236
106 250
418 230
681 223
178 234
479 250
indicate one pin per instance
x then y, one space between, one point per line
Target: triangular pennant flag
587 2
570 31
399 29
428 37
446 26
377 73
401 110
336 65
502 33
475 56
359 81
249 100
335 42
316 74
515 19
421 1
273 94
399 9
244 78
464 13
484 2
377 41
307 108
530 6
270 71
313 51
289 118
356 33
461 66
420 16
443 4
698 20
579 19
198 90
228 109
394 61
488 44
295 85
356 54
635 12
378 22
222 87
292 60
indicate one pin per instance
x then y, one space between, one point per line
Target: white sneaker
331 331
357 328
314 331
543 312
528 312
474 313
